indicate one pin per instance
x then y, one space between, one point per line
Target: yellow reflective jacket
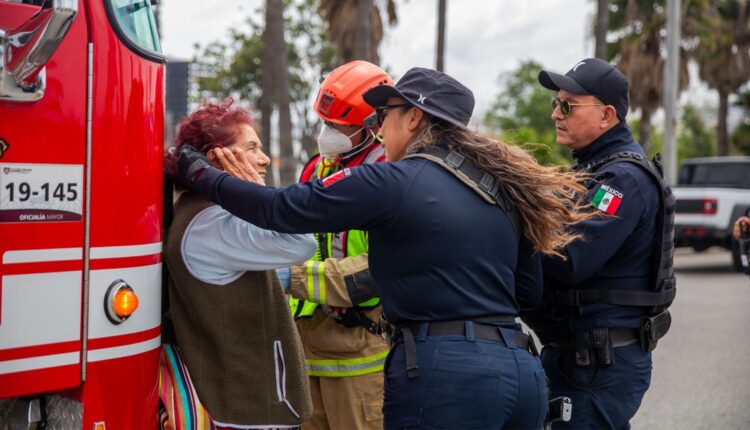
338 275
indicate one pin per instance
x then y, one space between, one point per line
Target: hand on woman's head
236 164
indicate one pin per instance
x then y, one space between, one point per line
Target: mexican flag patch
607 199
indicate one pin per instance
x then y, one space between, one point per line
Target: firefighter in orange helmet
333 296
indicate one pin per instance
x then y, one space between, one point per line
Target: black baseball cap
595 77
434 92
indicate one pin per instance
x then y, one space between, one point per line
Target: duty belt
480 329
594 348
620 337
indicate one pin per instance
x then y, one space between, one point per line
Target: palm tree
362 45
637 52
600 28
346 32
275 81
741 135
724 55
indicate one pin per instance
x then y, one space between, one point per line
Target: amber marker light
99 425
120 302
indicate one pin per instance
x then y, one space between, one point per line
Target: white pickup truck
711 194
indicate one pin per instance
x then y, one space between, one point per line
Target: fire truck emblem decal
3 147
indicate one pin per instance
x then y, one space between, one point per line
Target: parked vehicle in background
81 150
711 194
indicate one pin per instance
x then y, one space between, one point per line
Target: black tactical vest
662 287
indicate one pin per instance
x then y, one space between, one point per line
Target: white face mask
333 142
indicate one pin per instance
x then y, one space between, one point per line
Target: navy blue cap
595 77
431 91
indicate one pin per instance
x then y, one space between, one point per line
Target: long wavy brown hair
549 200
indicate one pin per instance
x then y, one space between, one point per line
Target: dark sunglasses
382 111
565 105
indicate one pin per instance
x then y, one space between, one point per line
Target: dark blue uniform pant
603 398
465 383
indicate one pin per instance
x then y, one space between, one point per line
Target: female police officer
456 228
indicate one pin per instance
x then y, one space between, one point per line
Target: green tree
724 54
349 25
656 136
741 135
695 139
236 68
521 114
601 23
637 44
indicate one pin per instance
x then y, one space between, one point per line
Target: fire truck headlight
120 302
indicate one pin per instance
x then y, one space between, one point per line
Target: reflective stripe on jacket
338 246
351 367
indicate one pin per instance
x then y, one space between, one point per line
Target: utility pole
671 78
440 61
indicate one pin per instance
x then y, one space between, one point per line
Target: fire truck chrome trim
87 210
22 75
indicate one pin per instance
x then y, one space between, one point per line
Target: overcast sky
483 37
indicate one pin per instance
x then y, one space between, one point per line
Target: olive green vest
239 342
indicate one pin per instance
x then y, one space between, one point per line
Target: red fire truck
81 138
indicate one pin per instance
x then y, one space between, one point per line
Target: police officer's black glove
195 172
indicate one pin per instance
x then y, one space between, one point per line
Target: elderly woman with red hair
231 320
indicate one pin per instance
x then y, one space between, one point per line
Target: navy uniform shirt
616 250
437 250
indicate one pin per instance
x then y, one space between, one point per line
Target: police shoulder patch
336 177
607 199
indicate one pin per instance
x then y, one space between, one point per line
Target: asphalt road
701 376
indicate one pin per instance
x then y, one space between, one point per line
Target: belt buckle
387 330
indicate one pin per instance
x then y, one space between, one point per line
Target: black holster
593 348
652 329
355 317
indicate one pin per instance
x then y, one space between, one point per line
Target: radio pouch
652 329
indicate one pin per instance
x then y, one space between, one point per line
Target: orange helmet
340 97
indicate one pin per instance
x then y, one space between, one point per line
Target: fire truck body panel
90 152
42 279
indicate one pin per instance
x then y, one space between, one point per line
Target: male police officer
605 304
